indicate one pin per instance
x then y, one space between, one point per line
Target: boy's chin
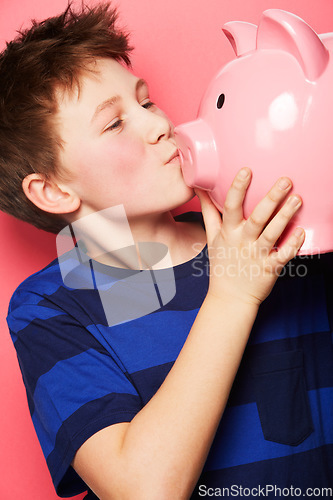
188 196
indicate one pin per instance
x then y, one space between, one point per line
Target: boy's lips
174 158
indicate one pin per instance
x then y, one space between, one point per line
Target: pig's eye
220 101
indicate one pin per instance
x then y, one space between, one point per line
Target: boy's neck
115 241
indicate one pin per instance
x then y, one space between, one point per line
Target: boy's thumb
211 215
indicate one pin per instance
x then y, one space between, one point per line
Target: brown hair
51 54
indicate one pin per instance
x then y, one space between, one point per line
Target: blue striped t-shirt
81 374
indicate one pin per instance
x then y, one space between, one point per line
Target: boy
131 407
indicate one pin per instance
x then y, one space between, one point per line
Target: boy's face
118 146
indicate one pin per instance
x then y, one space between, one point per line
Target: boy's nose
157 127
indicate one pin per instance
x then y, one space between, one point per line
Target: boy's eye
147 104
114 125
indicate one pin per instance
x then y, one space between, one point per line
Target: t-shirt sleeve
75 387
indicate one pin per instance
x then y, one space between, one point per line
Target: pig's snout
198 153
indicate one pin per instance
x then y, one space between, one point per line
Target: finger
266 208
211 215
233 205
277 225
288 251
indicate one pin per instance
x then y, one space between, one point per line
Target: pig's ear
241 35
279 29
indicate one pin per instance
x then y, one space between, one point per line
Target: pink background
179 47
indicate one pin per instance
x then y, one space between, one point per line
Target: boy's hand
243 261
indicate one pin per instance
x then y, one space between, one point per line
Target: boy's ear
50 196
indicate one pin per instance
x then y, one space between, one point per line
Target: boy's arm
161 452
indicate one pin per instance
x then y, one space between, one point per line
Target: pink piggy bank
270 109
